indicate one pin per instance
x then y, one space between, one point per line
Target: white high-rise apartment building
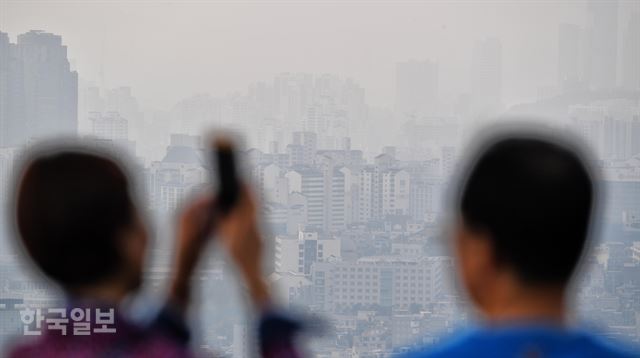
395 192
369 205
334 198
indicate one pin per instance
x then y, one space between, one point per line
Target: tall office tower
109 126
603 44
486 76
416 88
39 94
569 45
631 53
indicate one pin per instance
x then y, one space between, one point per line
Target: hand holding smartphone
229 187
235 216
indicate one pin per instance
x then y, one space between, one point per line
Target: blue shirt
535 341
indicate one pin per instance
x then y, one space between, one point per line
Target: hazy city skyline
212 46
355 116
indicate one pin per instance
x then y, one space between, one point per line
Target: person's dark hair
533 198
70 208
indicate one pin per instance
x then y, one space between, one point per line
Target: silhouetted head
525 210
77 220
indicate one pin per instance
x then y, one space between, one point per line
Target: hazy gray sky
170 50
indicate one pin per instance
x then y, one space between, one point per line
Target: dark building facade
38 90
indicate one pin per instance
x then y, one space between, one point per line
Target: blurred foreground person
78 222
523 218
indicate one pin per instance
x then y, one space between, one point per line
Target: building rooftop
183 155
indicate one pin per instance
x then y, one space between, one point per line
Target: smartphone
227 174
